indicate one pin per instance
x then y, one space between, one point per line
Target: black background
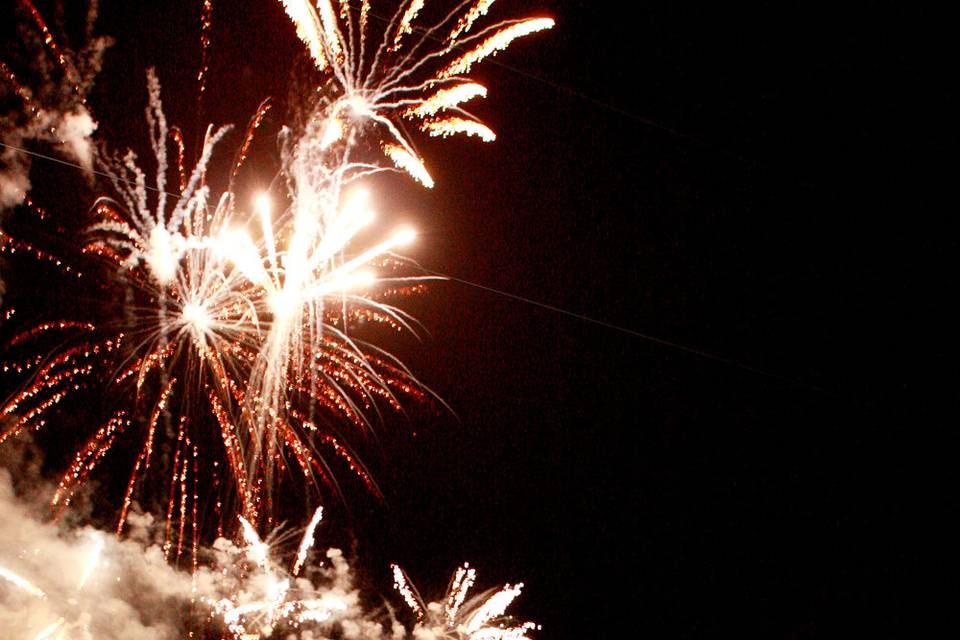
752 183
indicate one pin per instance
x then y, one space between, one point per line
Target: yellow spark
452 126
497 42
364 13
331 32
408 16
409 163
305 18
476 11
447 99
307 541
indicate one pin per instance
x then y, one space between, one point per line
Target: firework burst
254 333
414 74
481 617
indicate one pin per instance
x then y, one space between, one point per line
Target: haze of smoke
70 133
133 593
130 595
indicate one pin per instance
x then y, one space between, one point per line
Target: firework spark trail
307 541
20 583
206 22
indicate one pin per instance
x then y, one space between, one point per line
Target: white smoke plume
69 133
83 584
62 580
51 107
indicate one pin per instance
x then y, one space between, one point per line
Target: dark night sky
747 183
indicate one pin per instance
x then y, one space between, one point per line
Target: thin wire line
631 332
84 169
506 294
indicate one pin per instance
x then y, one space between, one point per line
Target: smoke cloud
79 582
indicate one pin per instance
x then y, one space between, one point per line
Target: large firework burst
231 357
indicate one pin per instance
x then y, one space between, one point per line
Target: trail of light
309 30
409 163
447 99
476 11
307 540
405 27
497 42
47 632
493 607
463 579
91 563
402 585
257 548
21 583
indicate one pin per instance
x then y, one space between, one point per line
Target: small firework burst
481 617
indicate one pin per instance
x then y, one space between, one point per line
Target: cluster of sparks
278 599
282 602
457 618
233 347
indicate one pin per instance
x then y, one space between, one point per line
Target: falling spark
307 541
463 579
403 587
409 163
476 11
447 99
409 15
451 126
497 42
47 632
303 15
